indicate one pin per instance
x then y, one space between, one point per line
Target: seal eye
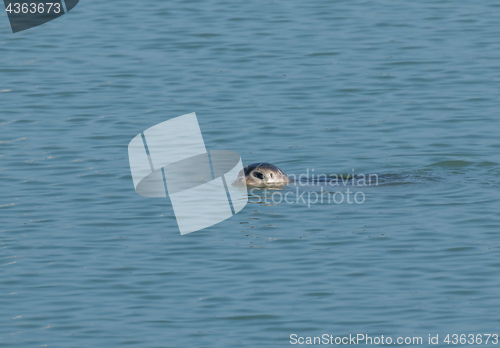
258 175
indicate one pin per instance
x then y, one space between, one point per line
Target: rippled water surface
405 90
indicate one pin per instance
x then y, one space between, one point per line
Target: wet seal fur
262 175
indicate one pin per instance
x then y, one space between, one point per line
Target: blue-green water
409 90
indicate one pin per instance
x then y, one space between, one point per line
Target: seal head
261 175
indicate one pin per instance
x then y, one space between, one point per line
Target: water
407 90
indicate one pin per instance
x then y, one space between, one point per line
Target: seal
268 175
262 175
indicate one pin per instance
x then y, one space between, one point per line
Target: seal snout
261 175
